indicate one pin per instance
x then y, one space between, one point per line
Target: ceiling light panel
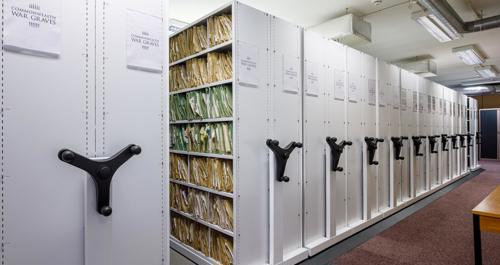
486 72
441 30
469 55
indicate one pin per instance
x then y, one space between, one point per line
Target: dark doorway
489 145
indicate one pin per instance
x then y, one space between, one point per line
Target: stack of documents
197 72
189 42
180 228
197 102
220 66
178 47
201 207
219 29
221 172
221 102
216 138
222 248
178 78
199 172
180 198
200 235
197 39
178 137
222 212
178 107
179 167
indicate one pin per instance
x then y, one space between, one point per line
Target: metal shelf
222 46
205 223
194 186
226 8
190 252
201 154
203 120
223 82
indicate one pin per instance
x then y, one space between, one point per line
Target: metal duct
483 24
443 11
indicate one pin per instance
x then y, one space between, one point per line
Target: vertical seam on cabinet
103 78
87 78
2 143
236 139
162 140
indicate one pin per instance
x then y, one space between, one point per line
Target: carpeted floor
440 233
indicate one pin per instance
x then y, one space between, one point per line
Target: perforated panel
315 133
408 129
131 109
252 128
287 127
356 89
47 106
388 126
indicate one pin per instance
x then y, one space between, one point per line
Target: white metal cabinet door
388 127
251 170
46 106
337 128
408 127
371 191
355 133
286 44
131 108
315 117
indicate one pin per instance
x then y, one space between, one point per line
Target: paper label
404 103
339 85
144 42
372 92
248 63
382 94
415 101
312 78
353 87
291 73
429 103
33 27
422 102
396 96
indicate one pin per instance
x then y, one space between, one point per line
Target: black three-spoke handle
479 138
336 150
433 142
462 140
453 141
398 144
417 142
444 142
282 155
371 144
101 171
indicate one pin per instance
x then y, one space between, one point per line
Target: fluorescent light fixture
486 71
475 88
469 55
482 82
441 30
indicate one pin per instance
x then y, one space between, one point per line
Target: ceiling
395 35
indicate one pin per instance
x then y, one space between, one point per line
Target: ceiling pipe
483 24
444 12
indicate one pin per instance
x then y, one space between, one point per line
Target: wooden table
486 217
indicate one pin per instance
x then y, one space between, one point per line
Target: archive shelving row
201 177
228 96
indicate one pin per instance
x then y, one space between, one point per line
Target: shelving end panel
251 85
